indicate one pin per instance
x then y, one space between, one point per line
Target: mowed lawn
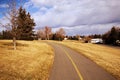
31 61
106 56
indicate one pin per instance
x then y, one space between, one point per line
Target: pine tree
113 35
25 25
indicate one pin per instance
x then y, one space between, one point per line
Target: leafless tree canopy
41 34
61 32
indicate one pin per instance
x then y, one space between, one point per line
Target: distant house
79 38
118 42
97 40
65 38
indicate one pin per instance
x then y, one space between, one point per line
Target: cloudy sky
75 16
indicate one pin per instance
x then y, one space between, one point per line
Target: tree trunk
47 37
14 42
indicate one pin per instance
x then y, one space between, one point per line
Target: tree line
112 36
47 34
43 34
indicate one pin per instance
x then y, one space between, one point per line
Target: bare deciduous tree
41 34
60 34
13 20
11 16
48 31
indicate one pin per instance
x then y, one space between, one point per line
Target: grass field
31 61
106 56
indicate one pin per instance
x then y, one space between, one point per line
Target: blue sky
75 16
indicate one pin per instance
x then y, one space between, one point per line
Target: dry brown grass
105 56
31 61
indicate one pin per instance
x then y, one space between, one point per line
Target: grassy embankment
31 61
105 56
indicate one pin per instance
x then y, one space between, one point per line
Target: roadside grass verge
31 61
105 56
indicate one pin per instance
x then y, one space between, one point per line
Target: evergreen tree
25 25
113 36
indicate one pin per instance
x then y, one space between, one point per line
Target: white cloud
4 21
4 5
72 13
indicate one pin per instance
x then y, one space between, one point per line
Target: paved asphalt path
70 65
